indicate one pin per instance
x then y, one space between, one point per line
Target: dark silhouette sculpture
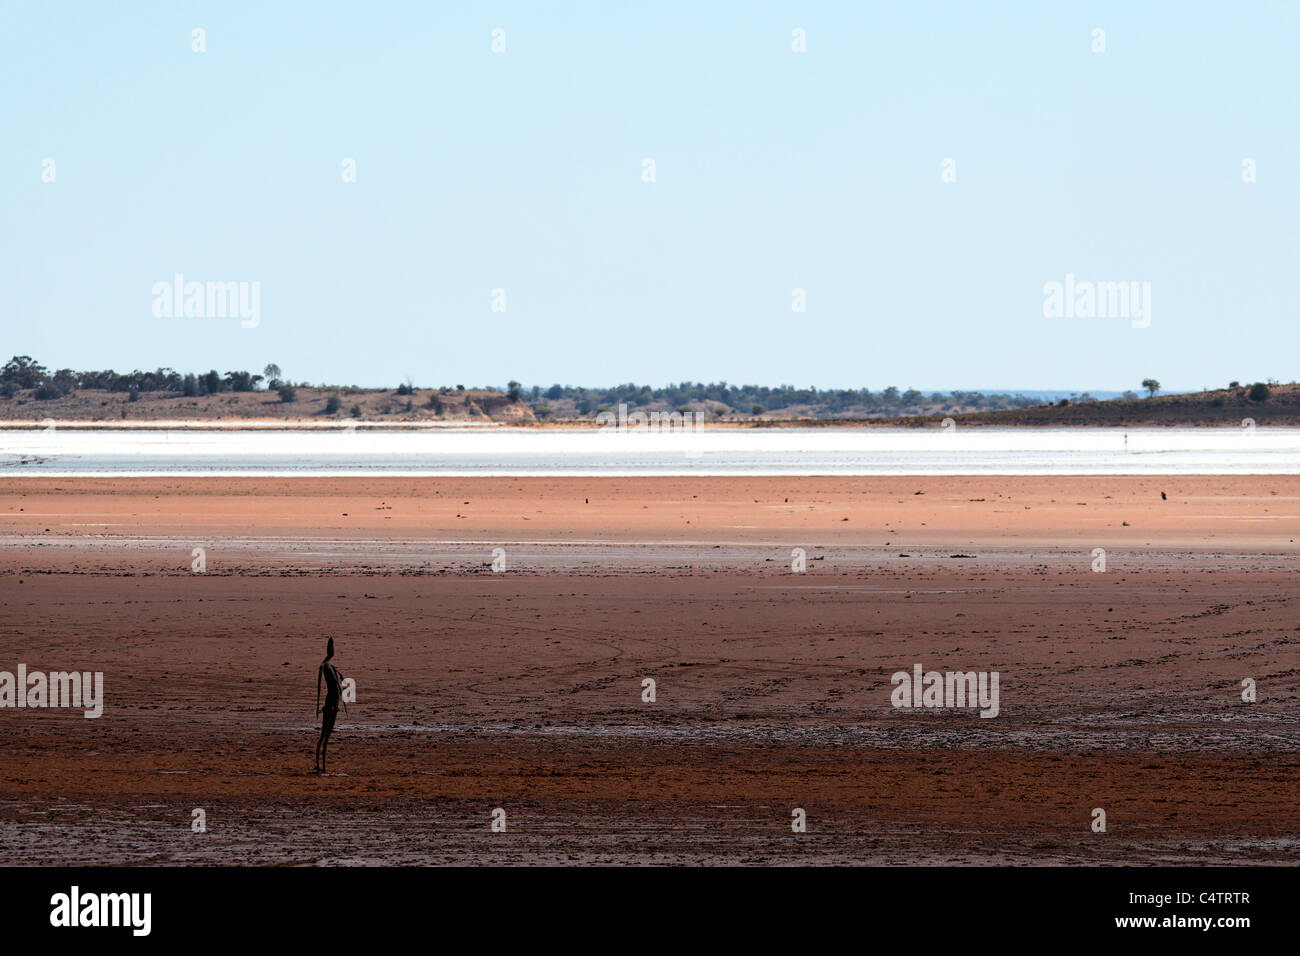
333 679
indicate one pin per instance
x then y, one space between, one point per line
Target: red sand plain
522 689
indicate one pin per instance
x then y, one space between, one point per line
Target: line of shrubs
23 372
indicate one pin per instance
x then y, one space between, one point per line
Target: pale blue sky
775 170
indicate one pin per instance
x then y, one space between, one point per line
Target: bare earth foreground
522 689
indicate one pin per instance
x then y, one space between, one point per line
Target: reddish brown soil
522 690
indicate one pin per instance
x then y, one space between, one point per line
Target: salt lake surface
360 450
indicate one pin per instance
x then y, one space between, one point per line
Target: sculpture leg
327 727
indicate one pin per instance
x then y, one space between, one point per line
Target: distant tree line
24 372
770 398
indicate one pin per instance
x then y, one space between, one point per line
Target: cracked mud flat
522 690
